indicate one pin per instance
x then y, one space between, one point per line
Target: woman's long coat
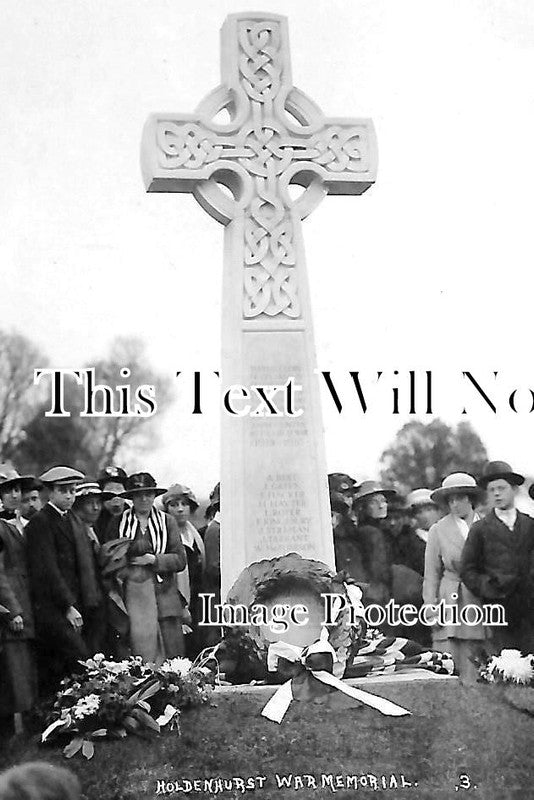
17 599
167 564
443 558
377 559
18 676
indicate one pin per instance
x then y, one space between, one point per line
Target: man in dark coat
53 563
497 558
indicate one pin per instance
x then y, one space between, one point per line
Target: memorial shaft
274 496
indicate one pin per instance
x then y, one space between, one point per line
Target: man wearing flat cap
497 558
54 566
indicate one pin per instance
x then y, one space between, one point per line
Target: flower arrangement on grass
508 667
111 699
514 673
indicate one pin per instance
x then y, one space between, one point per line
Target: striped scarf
157 528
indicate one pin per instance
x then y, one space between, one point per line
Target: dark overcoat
54 581
377 560
18 678
410 550
497 564
348 551
13 546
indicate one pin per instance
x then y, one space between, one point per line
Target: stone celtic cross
274 495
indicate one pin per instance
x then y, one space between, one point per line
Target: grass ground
453 731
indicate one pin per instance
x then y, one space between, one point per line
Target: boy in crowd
496 560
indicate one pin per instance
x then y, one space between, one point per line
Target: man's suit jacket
53 568
497 563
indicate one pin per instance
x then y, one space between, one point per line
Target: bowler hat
141 482
179 490
9 477
500 469
369 488
456 483
63 475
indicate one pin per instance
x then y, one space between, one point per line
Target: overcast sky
430 269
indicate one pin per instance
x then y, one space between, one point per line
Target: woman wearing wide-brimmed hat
11 487
180 502
458 494
370 503
146 583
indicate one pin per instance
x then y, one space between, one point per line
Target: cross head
241 167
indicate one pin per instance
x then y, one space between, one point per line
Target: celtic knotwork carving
270 294
270 278
192 146
260 60
339 149
269 148
262 150
269 248
186 145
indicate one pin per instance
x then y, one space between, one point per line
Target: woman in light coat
147 580
446 538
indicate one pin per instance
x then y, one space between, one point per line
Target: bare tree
18 396
91 443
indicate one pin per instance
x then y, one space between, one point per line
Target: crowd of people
463 543
112 565
116 565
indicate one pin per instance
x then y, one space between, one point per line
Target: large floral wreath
243 654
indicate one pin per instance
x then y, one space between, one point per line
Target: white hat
87 489
420 497
456 483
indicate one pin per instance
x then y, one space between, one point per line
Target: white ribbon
277 706
59 723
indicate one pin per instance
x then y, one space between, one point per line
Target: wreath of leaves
245 649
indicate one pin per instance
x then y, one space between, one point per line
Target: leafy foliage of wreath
243 652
